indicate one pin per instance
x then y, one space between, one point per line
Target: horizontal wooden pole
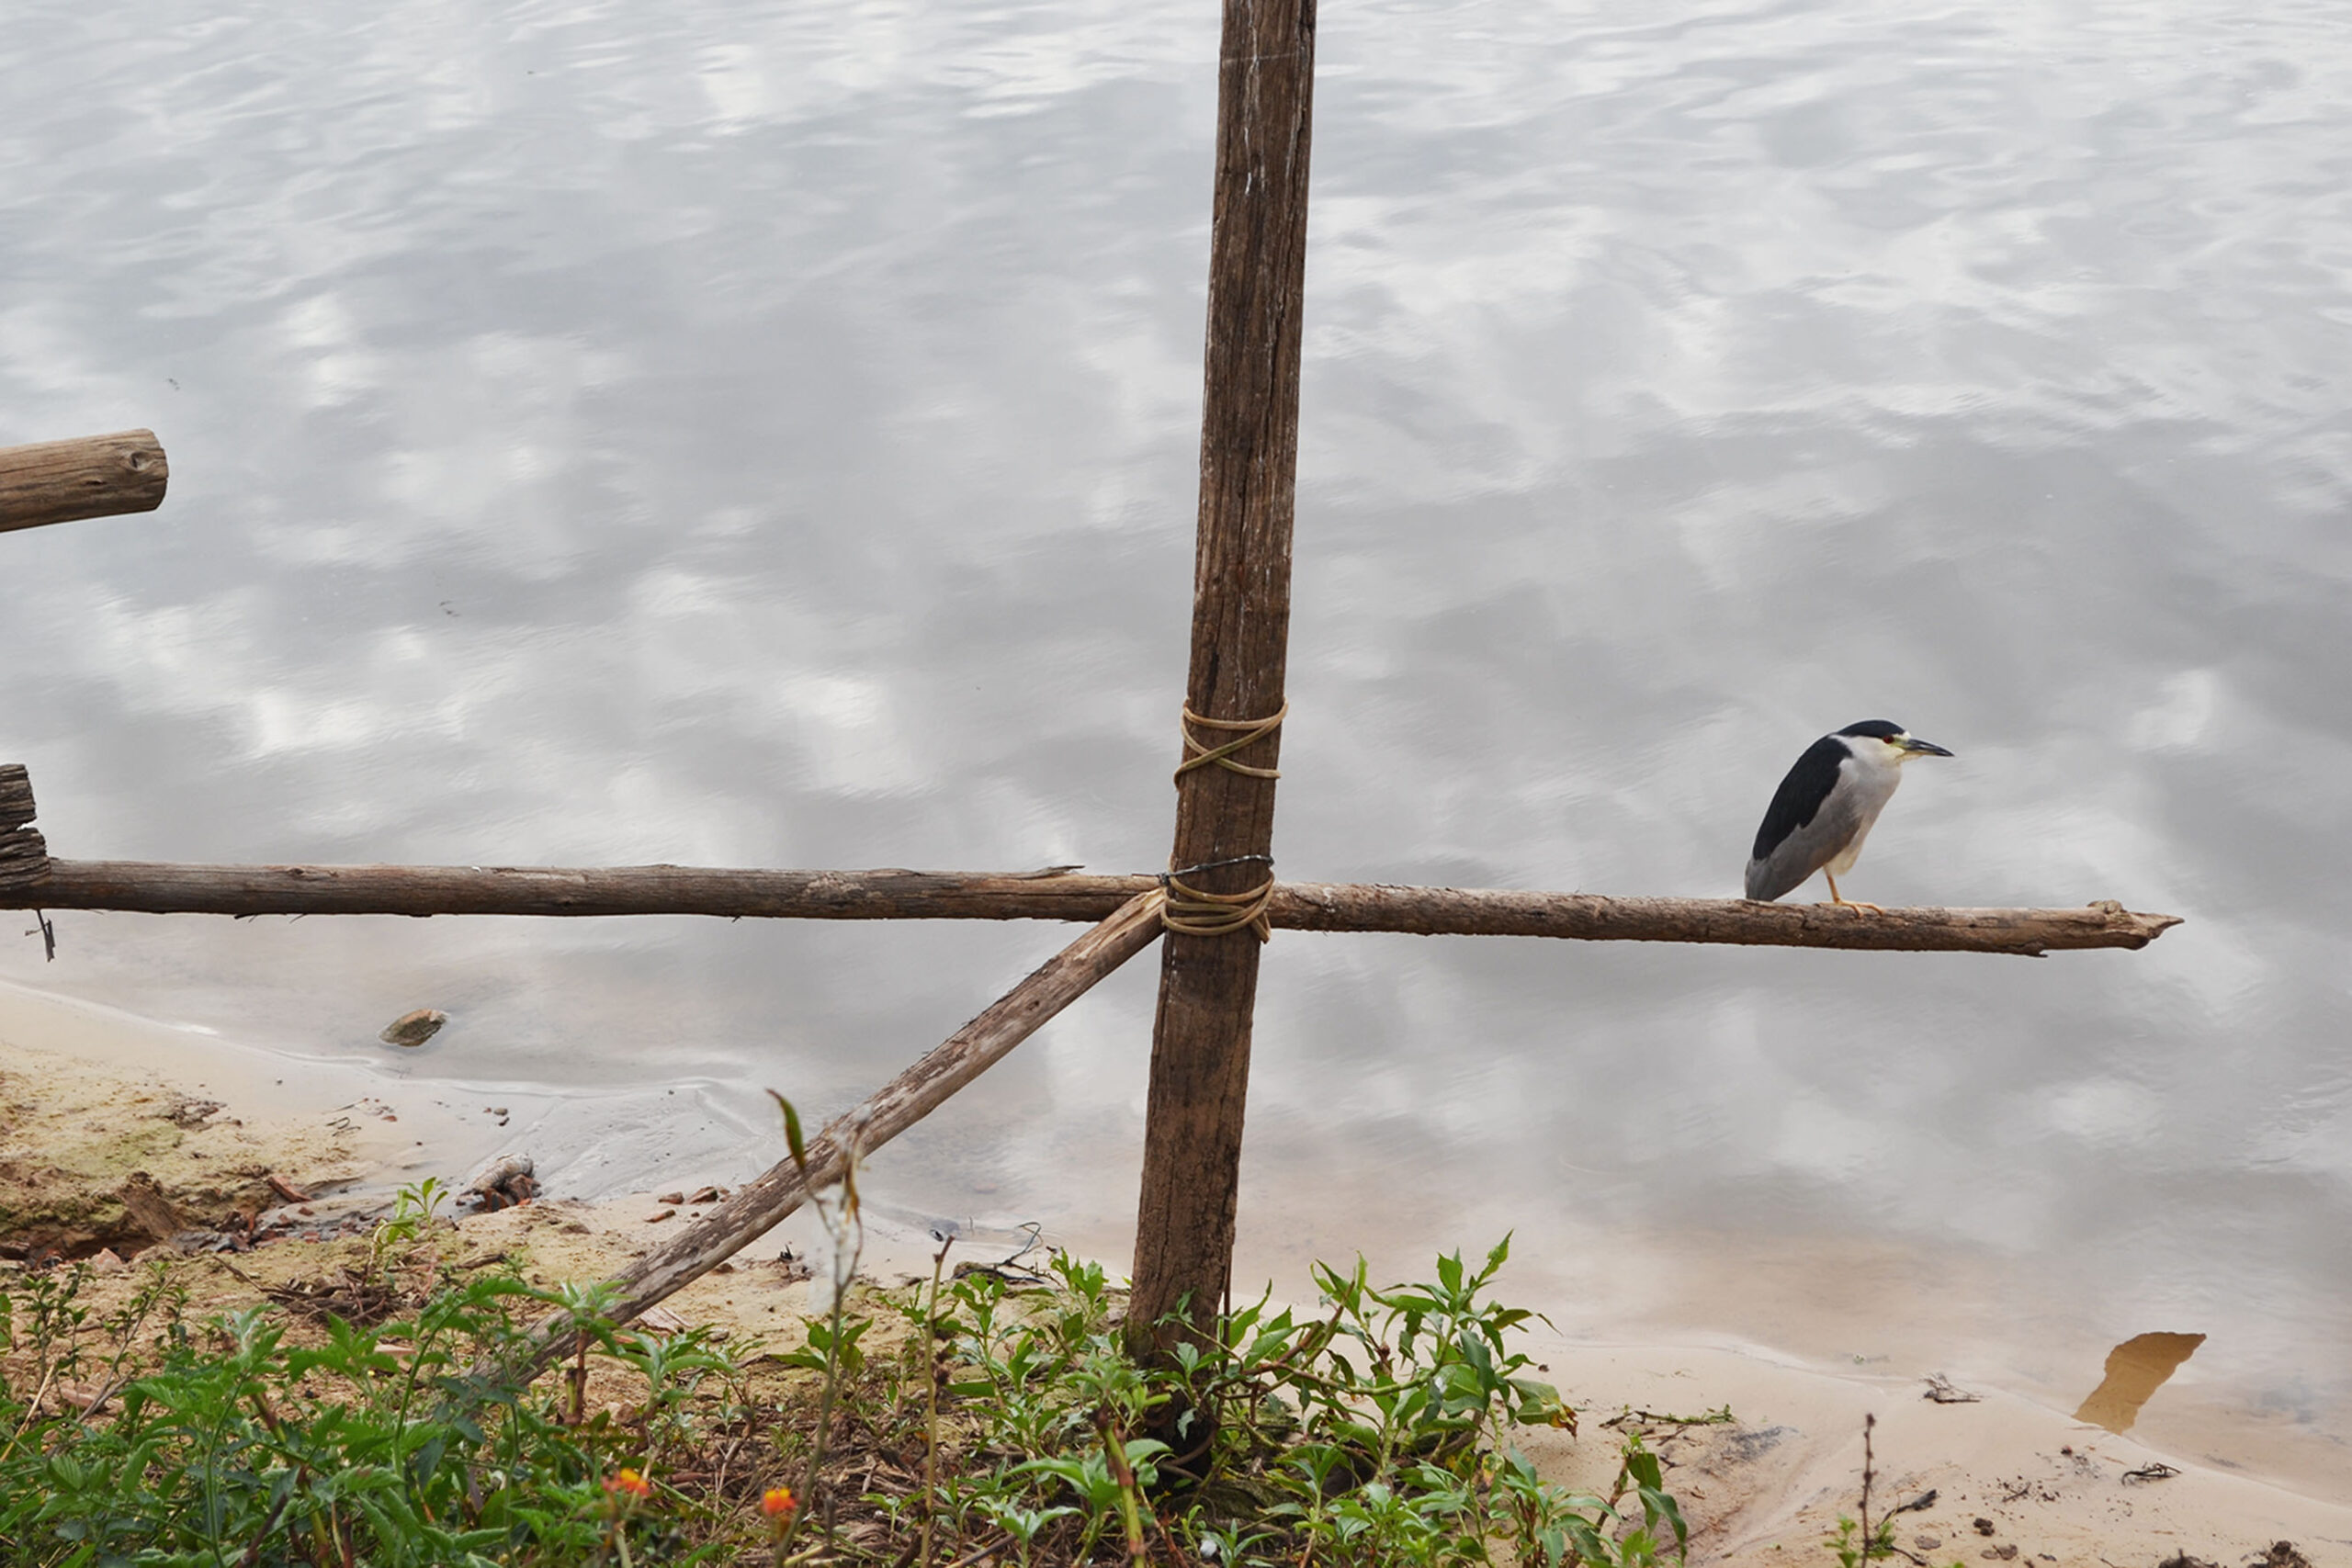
1593 917
164 888
91 476
756 1207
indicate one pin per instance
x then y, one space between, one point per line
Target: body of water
764 434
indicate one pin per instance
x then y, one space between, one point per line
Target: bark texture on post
1200 1053
92 476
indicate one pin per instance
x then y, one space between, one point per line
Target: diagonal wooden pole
758 1205
1225 815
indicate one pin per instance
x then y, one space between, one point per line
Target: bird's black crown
1885 729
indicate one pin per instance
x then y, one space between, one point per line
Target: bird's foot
1857 903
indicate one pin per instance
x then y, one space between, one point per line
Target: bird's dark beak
1923 748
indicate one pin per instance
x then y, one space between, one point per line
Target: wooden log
420 890
15 795
91 476
1224 816
756 1207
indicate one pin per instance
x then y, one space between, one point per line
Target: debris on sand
416 1028
502 1182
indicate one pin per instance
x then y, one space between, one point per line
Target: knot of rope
1246 731
1187 909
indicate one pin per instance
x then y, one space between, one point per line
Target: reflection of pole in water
2135 1369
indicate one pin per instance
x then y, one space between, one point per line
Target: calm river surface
757 434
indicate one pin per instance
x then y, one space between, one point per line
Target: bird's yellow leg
1838 898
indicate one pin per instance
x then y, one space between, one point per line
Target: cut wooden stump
91 476
15 795
24 856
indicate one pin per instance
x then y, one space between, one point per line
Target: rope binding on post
1246 732
1187 910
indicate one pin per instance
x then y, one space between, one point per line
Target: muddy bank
95 1160
96 1156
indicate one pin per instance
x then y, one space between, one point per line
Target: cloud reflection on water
763 434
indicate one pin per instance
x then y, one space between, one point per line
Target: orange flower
629 1483
777 1502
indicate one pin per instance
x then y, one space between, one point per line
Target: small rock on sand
414 1028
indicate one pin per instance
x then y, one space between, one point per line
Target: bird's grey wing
1791 847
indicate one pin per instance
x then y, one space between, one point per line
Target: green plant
370 1445
1373 1430
675 1367
1856 1542
838 1209
415 1207
49 1324
931 1381
1852 1548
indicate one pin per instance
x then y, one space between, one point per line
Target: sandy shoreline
2046 1488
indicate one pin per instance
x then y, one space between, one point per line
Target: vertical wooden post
1208 984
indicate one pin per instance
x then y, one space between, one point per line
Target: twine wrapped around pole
1248 732
1195 913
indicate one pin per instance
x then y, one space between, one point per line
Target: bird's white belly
1843 861
1874 787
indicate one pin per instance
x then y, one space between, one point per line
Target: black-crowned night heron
1824 809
